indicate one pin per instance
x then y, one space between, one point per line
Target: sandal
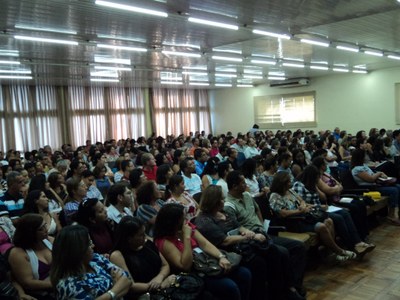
363 248
349 254
341 258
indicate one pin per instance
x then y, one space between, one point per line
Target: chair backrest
347 180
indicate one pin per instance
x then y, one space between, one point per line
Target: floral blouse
88 286
289 201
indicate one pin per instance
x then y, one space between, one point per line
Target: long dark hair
69 250
167 220
280 182
249 168
87 212
309 177
127 227
25 231
30 201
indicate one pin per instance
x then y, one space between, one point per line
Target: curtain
180 111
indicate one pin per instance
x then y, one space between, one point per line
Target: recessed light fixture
360 71
177 53
57 30
216 57
112 68
103 80
122 48
172 82
9 52
132 8
263 62
252 77
113 74
9 62
227 51
44 40
14 77
16 71
122 38
374 53
199 83
293 65
348 48
276 78
225 75
194 73
111 60
213 23
314 42
394 57
223 84
244 85
314 67
272 34
340 70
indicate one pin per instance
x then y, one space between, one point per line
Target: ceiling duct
295 82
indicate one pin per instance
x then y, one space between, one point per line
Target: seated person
31 258
78 273
120 198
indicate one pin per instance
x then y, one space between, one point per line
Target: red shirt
150 174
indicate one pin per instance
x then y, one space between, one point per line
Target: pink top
177 242
190 208
5 242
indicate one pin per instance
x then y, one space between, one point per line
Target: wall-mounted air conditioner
295 82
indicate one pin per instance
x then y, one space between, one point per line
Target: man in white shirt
191 179
251 149
121 202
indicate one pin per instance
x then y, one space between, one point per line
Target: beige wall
350 101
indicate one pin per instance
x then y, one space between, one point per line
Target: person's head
30 229
147 193
299 157
309 177
55 179
223 169
357 157
212 199
236 182
176 184
231 153
88 178
136 178
38 182
169 220
148 160
187 165
285 160
164 173
91 212
130 234
211 168
72 251
35 201
320 163
76 188
120 193
200 155
179 155
281 183
249 168
271 165
15 182
99 171
127 166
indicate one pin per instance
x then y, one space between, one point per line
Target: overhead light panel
213 23
104 74
122 48
340 70
45 40
9 52
244 85
223 84
360 71
227 51
314 42
374 53
272 34
132 8
314 67
177 53
394 57
276 78
252 77
16 71
103 80
14 77
293 65
112 68
194 73
263 62
123 38
110 60
9 62
225 75
27 27
216 57
172 82
199 83
195 67
347 48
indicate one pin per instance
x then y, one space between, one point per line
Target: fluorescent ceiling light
181 45
27 27
196 78
172 82
216 57
122 48
199 83
225 75
293 65
249 71
374 53
276 78
115 37
313 42
103 80
351 49
272 34
223 84
244 85
263 62
213 23
227 51
9 53
112 68
16 71
276 73
9 62
14 77
252 77
194 73
360 71
110 60
132 8
195 67
340 70
104 74
225 69
319 67
186 54
394 57
44 40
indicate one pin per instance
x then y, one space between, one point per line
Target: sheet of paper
345 200
266 225
332 208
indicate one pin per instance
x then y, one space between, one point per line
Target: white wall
349 101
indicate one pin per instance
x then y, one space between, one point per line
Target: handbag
206 265
250 248
187 286
315 215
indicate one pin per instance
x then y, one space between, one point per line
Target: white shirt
114 214
193 184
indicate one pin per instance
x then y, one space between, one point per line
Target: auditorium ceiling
194 43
